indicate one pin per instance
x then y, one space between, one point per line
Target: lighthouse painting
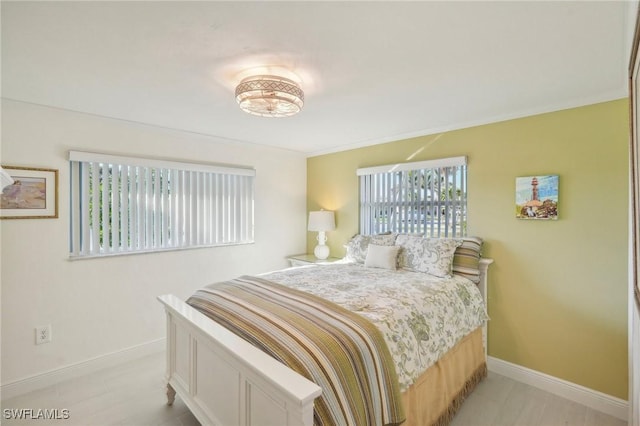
537 197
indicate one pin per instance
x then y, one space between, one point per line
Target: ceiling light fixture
269 96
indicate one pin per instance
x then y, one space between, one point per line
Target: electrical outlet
43 334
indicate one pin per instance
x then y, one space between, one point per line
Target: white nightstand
309 259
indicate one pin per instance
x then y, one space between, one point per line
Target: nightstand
309 259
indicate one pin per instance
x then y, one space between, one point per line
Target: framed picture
537 197
33 194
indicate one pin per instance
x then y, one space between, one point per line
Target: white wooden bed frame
224 380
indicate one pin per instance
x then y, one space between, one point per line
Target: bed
436 359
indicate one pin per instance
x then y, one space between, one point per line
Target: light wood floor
134 394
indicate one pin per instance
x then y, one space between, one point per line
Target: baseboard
593 399
39 381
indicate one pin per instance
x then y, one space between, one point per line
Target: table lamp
321 221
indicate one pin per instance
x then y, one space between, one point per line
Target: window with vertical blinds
122 205
426 197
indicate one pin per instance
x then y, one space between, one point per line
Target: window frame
379 185
167 205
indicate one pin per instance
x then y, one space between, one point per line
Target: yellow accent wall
557 289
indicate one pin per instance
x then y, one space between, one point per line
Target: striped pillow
466 259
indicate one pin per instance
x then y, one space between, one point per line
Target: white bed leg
171 394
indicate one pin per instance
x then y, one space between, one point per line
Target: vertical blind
125 205
426 197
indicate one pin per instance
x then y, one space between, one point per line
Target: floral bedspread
420 316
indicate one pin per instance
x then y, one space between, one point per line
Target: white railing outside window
426 197
122 205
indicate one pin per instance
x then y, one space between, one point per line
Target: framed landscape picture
33 194
537 197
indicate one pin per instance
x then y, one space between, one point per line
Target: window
129 205
427 197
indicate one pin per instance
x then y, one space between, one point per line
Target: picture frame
537 197
33 194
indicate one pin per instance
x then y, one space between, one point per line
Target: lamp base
321 251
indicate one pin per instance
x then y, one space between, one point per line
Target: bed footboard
225 380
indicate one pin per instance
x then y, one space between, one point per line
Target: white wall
100 306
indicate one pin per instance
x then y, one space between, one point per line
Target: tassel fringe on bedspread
435 397
446 417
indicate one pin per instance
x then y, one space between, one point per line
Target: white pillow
385 257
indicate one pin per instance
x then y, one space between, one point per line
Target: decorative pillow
357 247
385 257
406 243
466 259
433 256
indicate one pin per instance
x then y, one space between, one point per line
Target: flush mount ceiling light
269 96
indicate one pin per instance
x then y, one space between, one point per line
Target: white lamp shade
322 220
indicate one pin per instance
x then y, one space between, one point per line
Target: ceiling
371 71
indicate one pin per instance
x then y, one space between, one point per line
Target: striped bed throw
340 351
